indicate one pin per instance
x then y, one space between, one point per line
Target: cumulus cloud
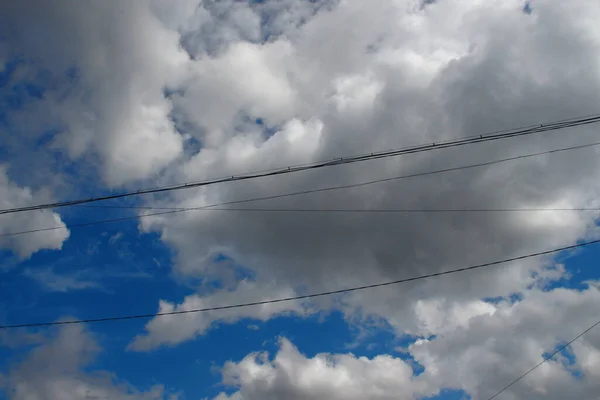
403 75
59 369
486 347
11 195
484 351
291 375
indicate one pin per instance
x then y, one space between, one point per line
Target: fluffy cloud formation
479 353
486 349
55 371
291 375
403 75
11 196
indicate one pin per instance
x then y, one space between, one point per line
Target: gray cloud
104 87
55 371
428 79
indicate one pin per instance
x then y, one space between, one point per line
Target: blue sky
109 97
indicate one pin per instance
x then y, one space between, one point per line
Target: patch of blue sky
247 123
566 358
425 3
131 276
7 73
269 14
21 92
511 298
128 271
268 130
17 91
450 394
241 273
382 339
193 365
581 266
10 98
182 125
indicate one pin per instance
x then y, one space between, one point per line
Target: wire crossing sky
303 297
212 207
551 126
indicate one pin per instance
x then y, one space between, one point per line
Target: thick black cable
338 161
570 342
331 188
302 297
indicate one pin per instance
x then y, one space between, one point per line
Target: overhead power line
302 297
214 206
365 210
570 342
337 161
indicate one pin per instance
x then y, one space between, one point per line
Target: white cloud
485 348
59 369
291 375
487 351
173 329
11 195
214 94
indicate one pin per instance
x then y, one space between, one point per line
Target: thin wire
338 161
545 359
364 210
310 210
301 297
331 188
